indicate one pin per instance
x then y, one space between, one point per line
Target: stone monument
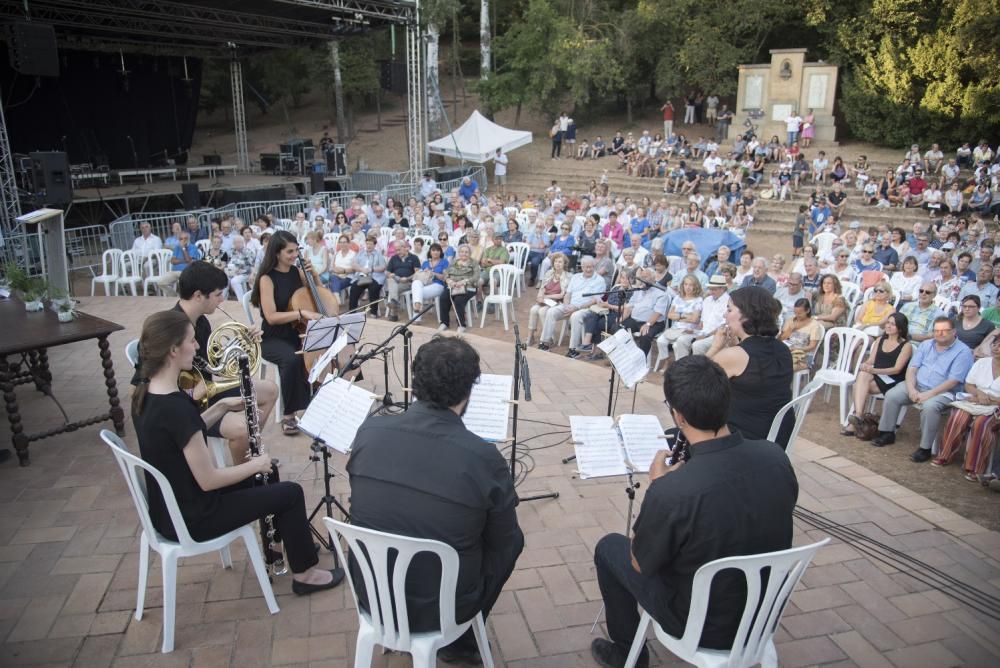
772 91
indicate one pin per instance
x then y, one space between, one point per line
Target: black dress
887 360
281 342
762 389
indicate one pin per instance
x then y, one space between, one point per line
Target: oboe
268 533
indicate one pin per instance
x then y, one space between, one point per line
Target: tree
436 13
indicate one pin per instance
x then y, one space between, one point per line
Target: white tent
478 139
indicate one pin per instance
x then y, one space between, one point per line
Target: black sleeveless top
762 389
884 360
285 285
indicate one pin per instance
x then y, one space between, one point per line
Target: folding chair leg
140 598
770 658
424 655
843 404
639 641
260 569
363 649
503 309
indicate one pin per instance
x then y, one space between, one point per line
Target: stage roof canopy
205 28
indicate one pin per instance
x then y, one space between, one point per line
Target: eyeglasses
926 292
442 238
867 252
876 290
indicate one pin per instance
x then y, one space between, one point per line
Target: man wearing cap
468 188
820 214
713 316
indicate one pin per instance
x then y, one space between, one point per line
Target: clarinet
681 449
268 534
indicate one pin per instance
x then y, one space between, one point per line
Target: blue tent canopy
706 241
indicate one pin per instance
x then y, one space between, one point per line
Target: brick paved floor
69 539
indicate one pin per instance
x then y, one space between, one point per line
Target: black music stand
521 372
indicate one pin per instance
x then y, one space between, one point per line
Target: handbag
867 428
363 282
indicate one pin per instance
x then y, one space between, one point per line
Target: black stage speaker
270 162
53 184
336 161
316 182
211 159
190 195
32 48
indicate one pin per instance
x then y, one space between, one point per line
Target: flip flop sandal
289 427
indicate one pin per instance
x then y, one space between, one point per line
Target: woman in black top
277 280
759 366
970 327
212 501
889 357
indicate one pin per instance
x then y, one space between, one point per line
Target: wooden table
26 337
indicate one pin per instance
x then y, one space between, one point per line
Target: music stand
521 372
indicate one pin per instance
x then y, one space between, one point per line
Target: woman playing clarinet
212 501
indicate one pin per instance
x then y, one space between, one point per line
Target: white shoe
442 327
461 330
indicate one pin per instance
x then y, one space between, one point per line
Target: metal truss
389 11
416 134
239 116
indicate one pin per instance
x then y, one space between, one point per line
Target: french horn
221 359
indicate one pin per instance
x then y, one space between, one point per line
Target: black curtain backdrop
91 109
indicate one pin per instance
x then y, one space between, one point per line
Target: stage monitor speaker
190 195
316 182
336 161
53 184
32 49
449 173
332 186
270 162
308 154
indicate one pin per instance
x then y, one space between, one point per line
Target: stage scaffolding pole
239 113
416 96
12 230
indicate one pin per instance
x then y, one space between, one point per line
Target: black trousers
459 299
354 294
644 342
245 502
624 589
294 382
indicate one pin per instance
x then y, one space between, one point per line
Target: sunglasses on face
878 290
926 292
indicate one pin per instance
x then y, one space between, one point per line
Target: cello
312 297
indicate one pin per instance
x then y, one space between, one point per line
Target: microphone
648 284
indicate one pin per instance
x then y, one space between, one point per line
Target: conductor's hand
658 468
263 463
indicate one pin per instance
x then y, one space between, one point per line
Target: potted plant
62 304
30 289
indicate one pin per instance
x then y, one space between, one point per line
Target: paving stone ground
69 540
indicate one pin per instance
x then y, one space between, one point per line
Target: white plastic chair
754 642
852 344
851 293
216 445
800 405
823 241
519 258
264 364
203 246
135 471
502 280
387 624
129 272
110 265
159 266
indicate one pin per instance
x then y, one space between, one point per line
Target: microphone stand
135 165
521 374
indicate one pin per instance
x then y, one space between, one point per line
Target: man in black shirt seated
399 275
733 497
423 474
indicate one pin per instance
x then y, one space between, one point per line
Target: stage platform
69 538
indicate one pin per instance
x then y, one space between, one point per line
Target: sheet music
324 360
626 357
489 407
336 412
354 325
642 437
598 448
320 334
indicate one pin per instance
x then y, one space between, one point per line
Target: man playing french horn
200 288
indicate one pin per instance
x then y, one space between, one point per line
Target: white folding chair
852 344
216 445
135 471
823 241
264 364
203 246
386 623
519 258
129 272
159 266
851 293
110 265
800 405
754 642
501 294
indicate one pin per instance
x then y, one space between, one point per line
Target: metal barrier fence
288 208
125 229
85 247
376 180
208 216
